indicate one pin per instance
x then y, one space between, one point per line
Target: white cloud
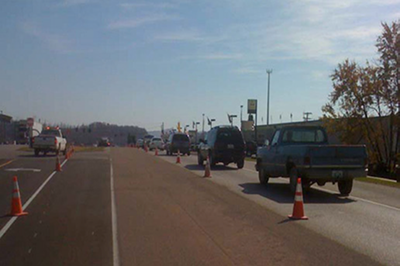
247 70
180 36
136 22
215 56
54 41
69 3
129 6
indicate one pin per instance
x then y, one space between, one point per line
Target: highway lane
367 227
69 221
31 172
168 215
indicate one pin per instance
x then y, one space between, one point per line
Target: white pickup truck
50 140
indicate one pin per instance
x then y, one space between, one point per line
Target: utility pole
269 71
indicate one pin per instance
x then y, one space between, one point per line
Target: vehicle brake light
33 140
307 160
55 141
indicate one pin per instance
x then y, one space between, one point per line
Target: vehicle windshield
302 135
229 135
156 139
51 132
180 137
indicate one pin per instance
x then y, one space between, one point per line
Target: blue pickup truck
303 151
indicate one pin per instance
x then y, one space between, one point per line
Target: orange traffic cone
207 172
156 154
298 208
58 165
16 205
178 158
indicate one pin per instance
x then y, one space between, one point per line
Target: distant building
5 126
265 132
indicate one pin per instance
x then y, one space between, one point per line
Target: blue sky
147 62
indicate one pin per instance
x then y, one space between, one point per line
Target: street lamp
269 71
241 116
210 121
230 118
196 123
203 125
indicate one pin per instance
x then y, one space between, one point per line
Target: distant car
156 143
223 144
147 139
178 142
251 148
139 143
50 140
104 142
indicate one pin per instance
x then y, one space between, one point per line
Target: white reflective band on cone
298 198
298 187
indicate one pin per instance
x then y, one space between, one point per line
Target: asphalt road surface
127 207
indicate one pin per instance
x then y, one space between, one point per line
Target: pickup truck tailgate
337 156
44 141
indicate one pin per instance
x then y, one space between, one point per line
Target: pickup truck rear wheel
37 152
345 186
240 164
263 177
212 160
200 160
293 179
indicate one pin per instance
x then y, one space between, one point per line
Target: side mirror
266 143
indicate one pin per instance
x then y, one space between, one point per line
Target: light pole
203 125
269 71
196 123
230 118
241 116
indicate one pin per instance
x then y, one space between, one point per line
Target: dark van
178 142
223 144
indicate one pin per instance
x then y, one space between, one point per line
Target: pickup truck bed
314 163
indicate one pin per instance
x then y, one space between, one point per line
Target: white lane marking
361 199
23 170
350 197
114 218
13 219
35 235
29 251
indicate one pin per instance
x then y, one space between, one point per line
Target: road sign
251 106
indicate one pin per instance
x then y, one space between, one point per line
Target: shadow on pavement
40 156
281 193
213 168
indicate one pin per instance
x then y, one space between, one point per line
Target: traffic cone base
58 165
16 205
298 207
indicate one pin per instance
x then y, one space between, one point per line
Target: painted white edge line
350 197
13 219
116 261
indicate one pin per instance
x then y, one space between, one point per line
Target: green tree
365 102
